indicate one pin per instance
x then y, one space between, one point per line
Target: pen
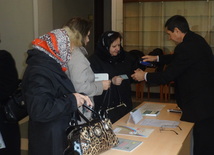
174 110
134 131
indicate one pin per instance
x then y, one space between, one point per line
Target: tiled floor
24 123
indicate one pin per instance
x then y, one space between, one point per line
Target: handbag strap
105 109
78 114
107 98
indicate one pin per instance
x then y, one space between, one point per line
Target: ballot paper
101 76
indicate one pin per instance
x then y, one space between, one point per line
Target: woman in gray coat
79 69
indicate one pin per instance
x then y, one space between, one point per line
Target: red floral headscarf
56 44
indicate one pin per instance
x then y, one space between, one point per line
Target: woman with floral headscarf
109 57
48 93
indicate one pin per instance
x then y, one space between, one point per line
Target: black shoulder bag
113 112
15 108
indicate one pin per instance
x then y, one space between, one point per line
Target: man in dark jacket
8 83
191 67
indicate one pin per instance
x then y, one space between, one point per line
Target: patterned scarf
56 44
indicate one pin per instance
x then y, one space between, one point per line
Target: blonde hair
81 25
74 36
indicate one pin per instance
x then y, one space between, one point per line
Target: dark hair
109 37
81 25
177 21
156 51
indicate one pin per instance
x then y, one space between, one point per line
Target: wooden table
159 143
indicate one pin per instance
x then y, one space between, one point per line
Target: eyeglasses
169 128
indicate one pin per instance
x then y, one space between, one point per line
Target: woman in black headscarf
109 57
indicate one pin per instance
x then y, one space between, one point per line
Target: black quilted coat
50 102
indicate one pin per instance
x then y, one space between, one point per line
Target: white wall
23 20
18 27
45 16
63 10
16 22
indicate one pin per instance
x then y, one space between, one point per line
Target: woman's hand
81 99
117 80
106 84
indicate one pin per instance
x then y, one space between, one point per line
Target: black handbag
90 138
113 112
15 108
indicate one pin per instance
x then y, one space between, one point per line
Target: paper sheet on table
2 145
133 131
158 123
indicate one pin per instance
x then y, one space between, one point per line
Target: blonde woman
79 70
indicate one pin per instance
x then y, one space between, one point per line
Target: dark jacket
8 79
191 67
8 84
102 62
8 76
50 102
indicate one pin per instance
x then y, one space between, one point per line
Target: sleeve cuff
157 58
145 76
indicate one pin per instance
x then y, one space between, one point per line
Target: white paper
101 76
2 145
124 76
158 123
136 116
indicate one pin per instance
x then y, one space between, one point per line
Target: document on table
133 131
151 109
158 123
2 145
152 106
127 144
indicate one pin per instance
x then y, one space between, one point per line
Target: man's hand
149 58
138 75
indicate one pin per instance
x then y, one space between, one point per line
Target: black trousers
203 136
11 136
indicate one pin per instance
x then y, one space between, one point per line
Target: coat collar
38 58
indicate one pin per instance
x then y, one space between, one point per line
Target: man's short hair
177 21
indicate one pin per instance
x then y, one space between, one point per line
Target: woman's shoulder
5 54
79 52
